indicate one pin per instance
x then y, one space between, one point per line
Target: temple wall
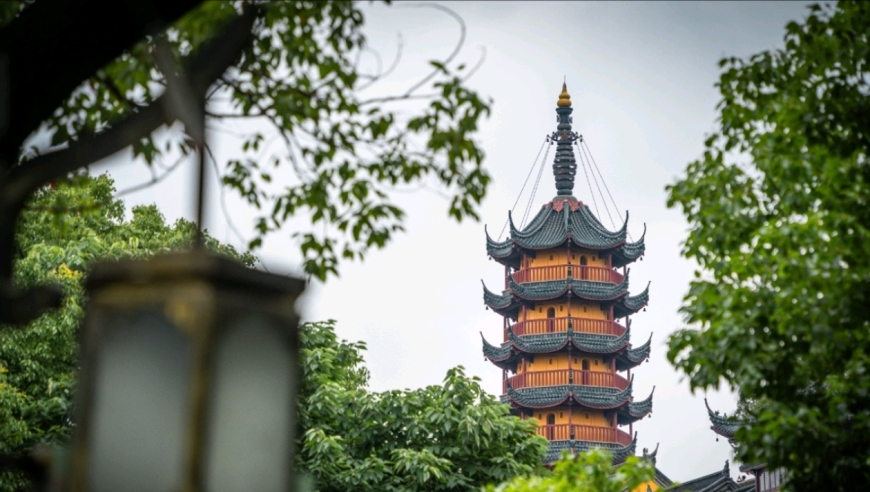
553 362
559 256
579 309
581 416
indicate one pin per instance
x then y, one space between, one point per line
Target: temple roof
620 453
636 410
559 221
633 356
719 481
594 397
506 355
722 425
554 289
509 301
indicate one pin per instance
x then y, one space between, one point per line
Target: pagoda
566 359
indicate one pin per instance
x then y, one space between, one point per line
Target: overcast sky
641 79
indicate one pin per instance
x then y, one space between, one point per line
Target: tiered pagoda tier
565 356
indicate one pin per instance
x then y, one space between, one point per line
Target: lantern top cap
193 265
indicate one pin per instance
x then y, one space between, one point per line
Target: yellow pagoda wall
643 487
549 257
579 309
553 362
580 417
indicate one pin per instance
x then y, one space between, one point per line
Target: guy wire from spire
591 193
603 201
589 152
500 234
535 189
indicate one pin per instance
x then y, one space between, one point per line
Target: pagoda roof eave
505 356
633 357
584 342
560 221
635 410
503 252
592 397
508 302
628 305
554 289
503 304
619 452
721 424
564 218
629 252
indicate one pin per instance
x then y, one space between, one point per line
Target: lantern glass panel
249 432
140 412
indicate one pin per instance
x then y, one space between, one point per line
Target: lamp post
188 380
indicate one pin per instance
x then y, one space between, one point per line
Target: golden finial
564 97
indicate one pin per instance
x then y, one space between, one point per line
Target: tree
56 243
591 471
449 437
452 437
780 228
340 153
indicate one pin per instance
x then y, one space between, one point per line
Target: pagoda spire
564 165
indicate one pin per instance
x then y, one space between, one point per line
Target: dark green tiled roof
500 250
507 354
586 342
597 397
636 410
510 300
557 222
634 356
496 354
722 425
620 453
496 301
553 289
627 305
719 481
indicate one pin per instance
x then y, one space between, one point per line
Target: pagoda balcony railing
536 379
563 432
558 325
560 272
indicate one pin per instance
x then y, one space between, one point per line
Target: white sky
641 78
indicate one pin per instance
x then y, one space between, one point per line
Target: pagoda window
551 362
594 259
583 260
551 257
561 415
561 308
573 256
551 312
596 362
574 360
551 419
585 365
587 416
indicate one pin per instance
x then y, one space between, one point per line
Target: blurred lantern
189 377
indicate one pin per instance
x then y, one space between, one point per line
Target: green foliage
449 437
61 234
341 154
782 296
587 472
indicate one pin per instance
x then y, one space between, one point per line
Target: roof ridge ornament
564 165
